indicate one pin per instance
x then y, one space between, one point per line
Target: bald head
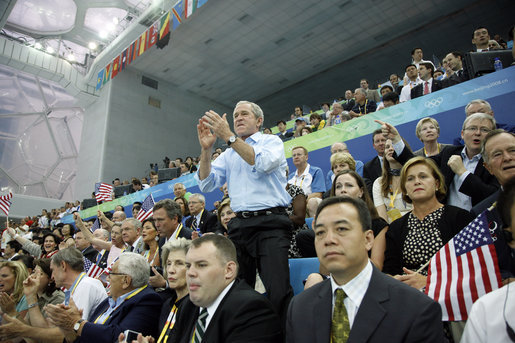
119 216
478 106
339 147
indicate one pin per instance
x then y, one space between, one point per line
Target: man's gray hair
199 196
104 232
136 224
488 136
71 256
122 213
361 90
258 112
478 101
480 116
136 266
172 246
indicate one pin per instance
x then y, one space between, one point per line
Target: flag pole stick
424 266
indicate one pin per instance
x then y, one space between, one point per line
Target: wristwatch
76 326
231 140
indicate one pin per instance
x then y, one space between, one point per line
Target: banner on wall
157 34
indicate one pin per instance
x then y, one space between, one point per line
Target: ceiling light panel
43 15
103 19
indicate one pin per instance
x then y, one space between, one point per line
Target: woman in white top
386 189
150 238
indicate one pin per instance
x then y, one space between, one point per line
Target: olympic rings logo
434 102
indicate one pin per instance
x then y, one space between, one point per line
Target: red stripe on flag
438 272
493 254
472 278
459 285
447 292
484 271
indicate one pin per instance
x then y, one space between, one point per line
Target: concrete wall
92 146
123 134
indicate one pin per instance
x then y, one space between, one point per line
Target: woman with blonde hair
411 241
428 131
12 299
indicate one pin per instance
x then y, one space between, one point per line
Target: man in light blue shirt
254 168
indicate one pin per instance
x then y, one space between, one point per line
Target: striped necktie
340 326
194 224
200 326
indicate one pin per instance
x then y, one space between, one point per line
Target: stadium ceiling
283 53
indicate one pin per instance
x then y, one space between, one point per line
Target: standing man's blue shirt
256 187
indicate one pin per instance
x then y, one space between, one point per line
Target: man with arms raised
466 178
254 168
357 303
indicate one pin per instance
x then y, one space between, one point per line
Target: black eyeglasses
113 273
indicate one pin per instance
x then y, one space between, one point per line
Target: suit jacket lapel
480 169
214 319
322 313
371 311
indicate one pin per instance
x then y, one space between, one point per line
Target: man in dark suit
221 308
373 168
499 156
131 305
428 84
85 247
467 180
283 134
455 63
167 218
357 303
200 220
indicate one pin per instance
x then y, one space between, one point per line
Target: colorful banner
158 34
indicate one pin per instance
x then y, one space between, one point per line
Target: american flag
147 208
92 269
5 203
463 270
96 225
103 191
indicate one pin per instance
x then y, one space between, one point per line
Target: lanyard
366 102
438 147
178 230
301 181
130 296
170 322
392 198
77 283
147 255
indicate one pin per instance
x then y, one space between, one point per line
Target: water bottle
497 64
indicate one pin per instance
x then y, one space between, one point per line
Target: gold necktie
340 328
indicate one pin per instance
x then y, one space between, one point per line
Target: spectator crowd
188 274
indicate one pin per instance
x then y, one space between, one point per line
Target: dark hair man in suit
357 303
168 220
373 168
221 308
428 84
480 38
455 63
